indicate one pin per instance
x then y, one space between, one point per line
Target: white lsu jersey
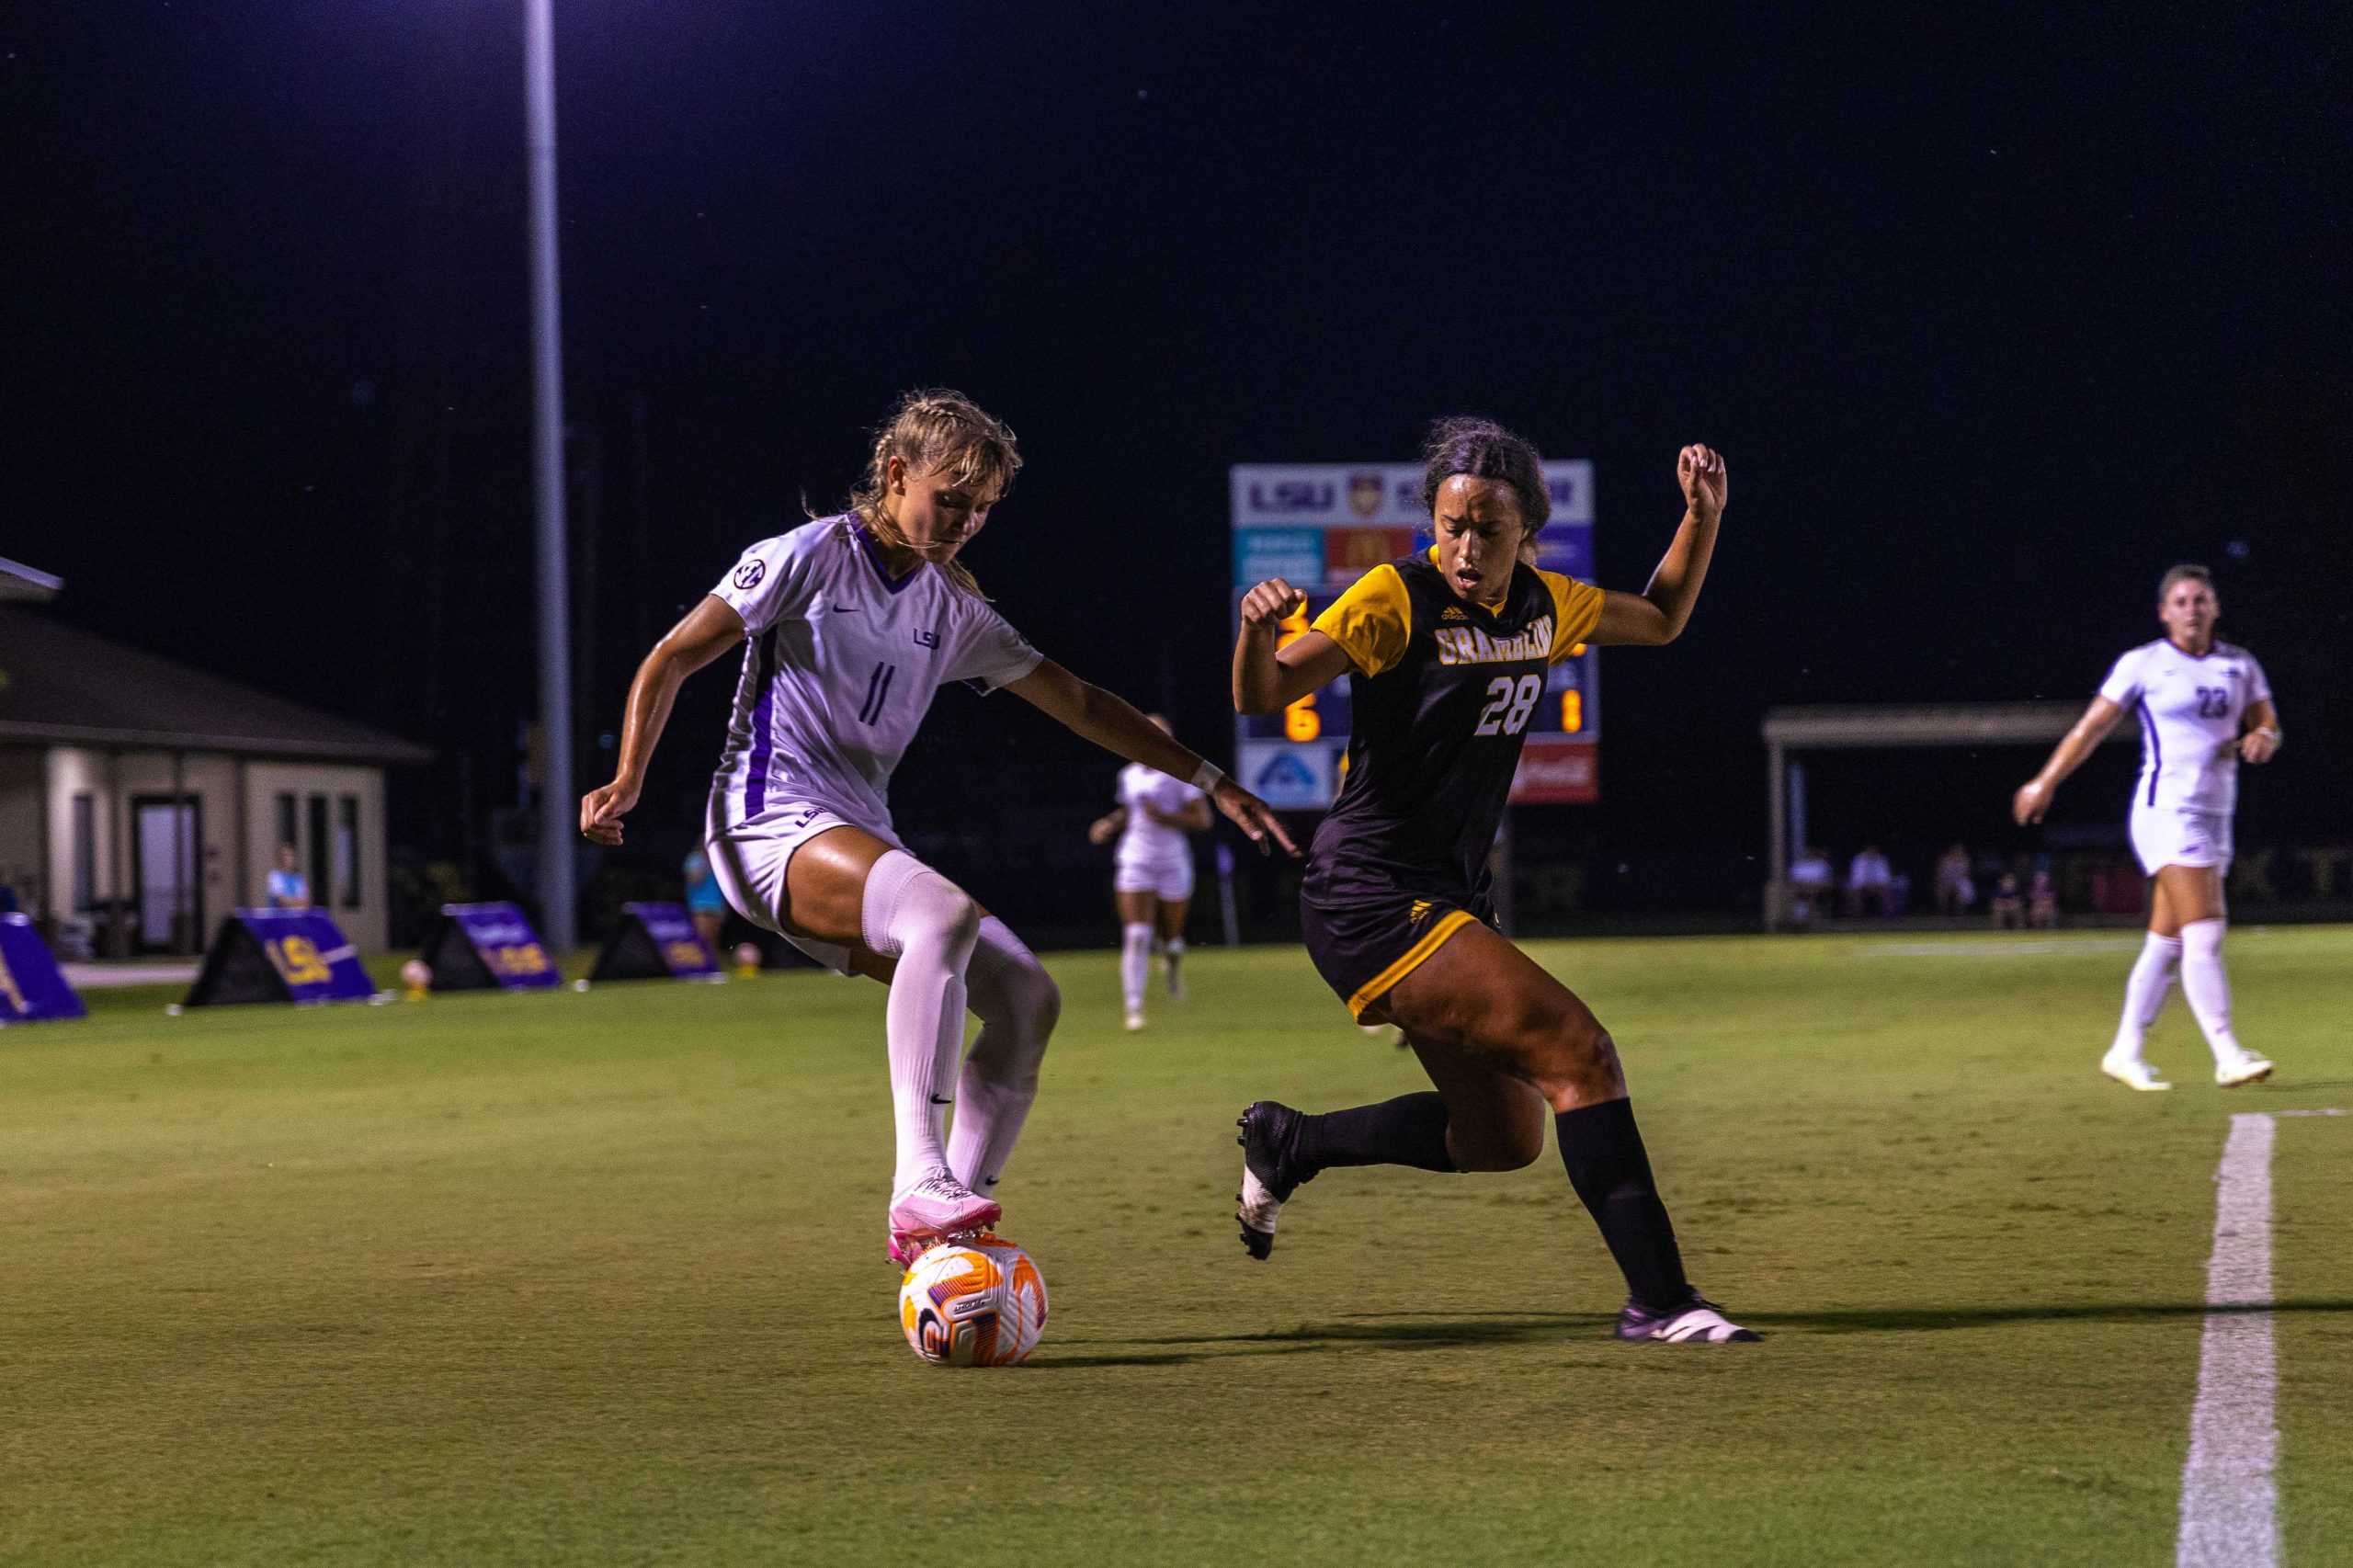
2191 710
1144 842
840 663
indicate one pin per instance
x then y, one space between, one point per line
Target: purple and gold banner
280 955
33 989
498 937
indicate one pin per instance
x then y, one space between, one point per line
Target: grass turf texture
599 1278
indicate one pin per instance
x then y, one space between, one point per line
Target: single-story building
142 800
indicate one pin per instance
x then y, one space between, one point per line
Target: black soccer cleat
1269 1132
1696 1322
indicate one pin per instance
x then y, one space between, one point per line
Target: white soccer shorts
2180 835
1169 880
749 860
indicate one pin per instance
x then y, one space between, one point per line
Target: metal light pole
557 808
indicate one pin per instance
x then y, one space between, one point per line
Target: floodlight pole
556 804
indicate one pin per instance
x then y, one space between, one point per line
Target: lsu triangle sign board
478 947
656 941
280 955
1320 527
32 988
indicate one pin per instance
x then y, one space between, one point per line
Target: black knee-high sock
1407 1131
1603 1149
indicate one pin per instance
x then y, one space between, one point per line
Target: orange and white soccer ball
978 1303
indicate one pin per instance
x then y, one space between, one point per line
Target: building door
167 871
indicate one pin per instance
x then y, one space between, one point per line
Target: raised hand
1251 815
1706 483
1271 603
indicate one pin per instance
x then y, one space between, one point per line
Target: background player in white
852 622
2204 706
1152 875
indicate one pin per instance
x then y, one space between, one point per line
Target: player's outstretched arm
1118 727
1659 614
1269 673
709 630
2033 797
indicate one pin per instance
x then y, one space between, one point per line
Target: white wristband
1207 777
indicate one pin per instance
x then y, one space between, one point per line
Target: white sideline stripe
2230 1507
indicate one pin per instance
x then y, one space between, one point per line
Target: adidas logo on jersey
1452 612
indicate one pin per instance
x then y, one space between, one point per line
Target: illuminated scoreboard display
1322 525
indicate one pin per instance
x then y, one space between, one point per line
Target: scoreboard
1322 525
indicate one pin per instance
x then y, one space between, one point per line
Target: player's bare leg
1139 912
849 888
1483 1002
2187 904
1172 943
1494 1120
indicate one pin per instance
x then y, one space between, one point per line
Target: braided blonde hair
937 427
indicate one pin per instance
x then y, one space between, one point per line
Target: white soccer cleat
2246 1067
1135 1019
1696 1322
933 1210
2133 1073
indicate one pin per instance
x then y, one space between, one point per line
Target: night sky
1994 319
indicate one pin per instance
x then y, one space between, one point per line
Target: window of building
290 831
347 851
322 850
85 852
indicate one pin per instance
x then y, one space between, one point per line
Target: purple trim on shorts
755 786
2156 752
874 558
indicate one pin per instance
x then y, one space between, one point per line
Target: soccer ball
977 1302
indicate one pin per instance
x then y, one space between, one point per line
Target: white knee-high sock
2144 993
2207 987
1135 963
1018 1004
1173 950
912 914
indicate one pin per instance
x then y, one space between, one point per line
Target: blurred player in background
706 905
1152 876
1445 655
853 621
2205 705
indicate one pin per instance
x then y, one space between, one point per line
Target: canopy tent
1789 731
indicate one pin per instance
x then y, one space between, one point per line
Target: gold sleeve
1576 610
1372 621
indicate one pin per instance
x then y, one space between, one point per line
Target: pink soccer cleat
933 1208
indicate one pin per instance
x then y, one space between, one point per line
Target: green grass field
599 1279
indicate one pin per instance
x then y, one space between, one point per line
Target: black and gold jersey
1441 693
